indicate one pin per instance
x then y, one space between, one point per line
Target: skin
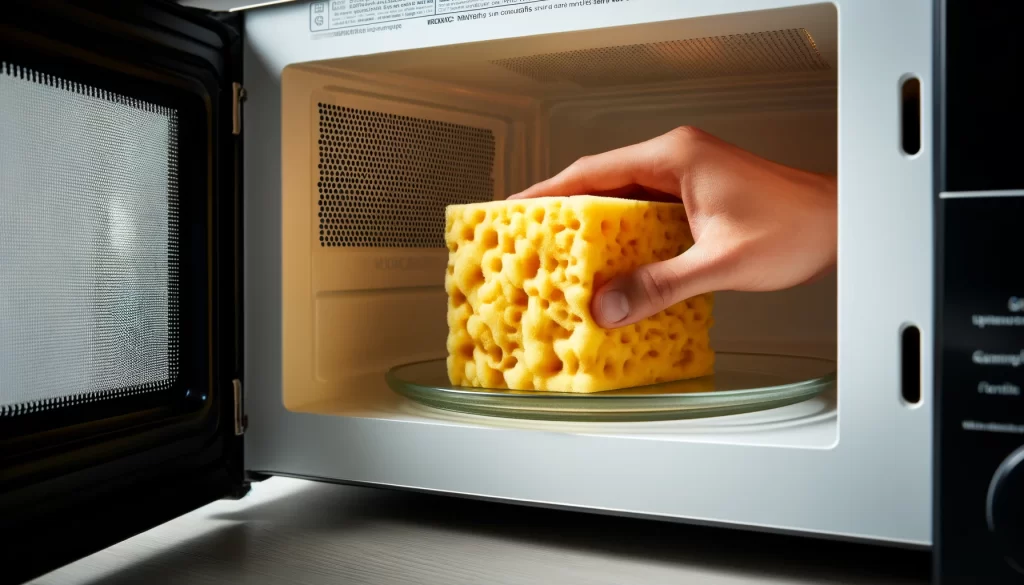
757 225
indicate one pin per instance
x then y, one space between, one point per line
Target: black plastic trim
66 492
978 122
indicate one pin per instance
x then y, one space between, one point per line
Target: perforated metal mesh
88 243
385 180
781 51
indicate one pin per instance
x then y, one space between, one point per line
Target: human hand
757 225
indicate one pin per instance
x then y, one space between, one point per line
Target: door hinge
241 421
239 95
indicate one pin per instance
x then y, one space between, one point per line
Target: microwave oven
187 305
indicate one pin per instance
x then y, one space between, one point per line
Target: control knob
1005 508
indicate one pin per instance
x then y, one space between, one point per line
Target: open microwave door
120 304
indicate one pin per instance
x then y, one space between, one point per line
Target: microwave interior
375 147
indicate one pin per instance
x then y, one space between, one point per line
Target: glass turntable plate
741 383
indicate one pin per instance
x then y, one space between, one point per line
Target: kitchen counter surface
291 531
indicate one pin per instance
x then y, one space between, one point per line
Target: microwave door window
88 244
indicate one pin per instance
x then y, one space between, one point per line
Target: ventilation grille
385 180
782 51
88 243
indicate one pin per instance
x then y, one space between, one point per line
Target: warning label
340 14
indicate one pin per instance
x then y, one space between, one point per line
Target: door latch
238 97
241 421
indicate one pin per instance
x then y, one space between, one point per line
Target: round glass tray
741 383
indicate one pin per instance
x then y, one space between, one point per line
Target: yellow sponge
520 278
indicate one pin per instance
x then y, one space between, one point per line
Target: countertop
292 531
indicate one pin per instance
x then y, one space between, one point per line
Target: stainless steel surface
864 473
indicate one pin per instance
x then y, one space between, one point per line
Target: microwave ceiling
780 51
559 66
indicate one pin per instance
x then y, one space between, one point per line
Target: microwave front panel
979 418
862 473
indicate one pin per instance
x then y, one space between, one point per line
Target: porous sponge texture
520 278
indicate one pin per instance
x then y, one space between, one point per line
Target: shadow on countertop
325 533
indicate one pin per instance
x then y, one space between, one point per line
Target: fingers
653 288
648 164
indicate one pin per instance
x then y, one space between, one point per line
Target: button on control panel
1004 509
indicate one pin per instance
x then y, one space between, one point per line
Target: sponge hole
519 298
628 367
555 366
531 265
684 359
458 298
494 352
572 364
490 239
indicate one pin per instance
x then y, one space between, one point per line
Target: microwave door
119 330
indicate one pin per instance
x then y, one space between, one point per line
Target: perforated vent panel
88 243
782 51
385 180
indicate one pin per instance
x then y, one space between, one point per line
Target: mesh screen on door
384 180
88 243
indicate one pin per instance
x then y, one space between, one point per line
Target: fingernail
614 306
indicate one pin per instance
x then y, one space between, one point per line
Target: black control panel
980 392
979 371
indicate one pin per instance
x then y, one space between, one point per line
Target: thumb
652 288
